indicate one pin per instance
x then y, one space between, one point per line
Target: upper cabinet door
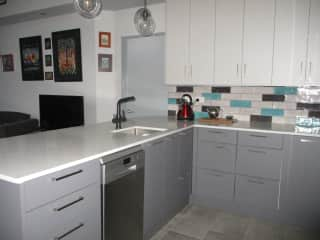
313 63
177 41
201 41
228 42
291 36
258 42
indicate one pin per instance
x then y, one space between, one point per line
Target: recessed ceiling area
112 5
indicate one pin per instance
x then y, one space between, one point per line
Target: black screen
58 111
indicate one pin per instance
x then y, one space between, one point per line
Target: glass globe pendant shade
88 8
144 22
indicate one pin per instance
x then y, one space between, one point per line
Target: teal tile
285 90
212 96
240 103
172 101
198 115
273 112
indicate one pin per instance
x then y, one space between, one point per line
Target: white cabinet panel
258 42
313 64
291 36
201 41
177 41
228 41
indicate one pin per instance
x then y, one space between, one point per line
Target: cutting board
216 121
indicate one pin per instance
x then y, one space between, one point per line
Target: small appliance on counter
185 109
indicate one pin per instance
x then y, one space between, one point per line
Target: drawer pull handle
256 151
216 132
68 205
220 147
306 141
256 182
69 232
258 136
182 134
67 176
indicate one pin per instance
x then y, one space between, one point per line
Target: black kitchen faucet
119 118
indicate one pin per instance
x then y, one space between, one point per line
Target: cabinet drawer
264 140
78 212
48 188
215 185
258 162
218 135
216 156
257 192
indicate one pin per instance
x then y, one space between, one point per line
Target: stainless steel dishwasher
123 195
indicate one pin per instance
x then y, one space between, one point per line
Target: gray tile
263 231
176 236
221 236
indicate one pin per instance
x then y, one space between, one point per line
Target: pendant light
144 22
88 8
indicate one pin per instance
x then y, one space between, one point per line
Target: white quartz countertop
30 156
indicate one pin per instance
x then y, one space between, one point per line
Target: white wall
18 95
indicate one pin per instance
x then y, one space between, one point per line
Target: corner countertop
30 156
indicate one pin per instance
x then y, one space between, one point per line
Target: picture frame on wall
47 43
48 75
48 60
67 62
105 62
104 39
7 63
31 58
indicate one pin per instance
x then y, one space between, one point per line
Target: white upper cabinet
291 36
189 42
201 41
313 62
177 42
258 42
228 42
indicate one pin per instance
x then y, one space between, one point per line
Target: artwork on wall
105 62
105 39
2 2
47 44
48 60
67 56
49 75
7 63
31 58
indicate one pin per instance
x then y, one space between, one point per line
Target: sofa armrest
21 127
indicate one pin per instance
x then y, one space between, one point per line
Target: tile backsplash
280 104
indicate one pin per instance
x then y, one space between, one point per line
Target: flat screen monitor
57 111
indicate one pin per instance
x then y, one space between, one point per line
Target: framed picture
48 75
31 58
105 39
7 63
67 56
2 2
105 62
48 60
47 43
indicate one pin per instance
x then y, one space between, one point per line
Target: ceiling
112 5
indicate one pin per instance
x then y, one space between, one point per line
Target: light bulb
88 8
144 22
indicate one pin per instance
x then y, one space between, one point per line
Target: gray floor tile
263 231
221 236
176 236
294 233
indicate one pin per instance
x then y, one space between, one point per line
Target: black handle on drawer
255 182
68 205
216 132
258 136
257 151
69 232
67 176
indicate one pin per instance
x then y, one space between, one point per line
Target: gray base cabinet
168 178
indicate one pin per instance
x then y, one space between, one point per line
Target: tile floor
198 223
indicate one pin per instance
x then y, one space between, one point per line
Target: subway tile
219 103
273 98
172 101
260 118
240 103
198 115
252 97
206 108
294 113
240 117
259 104
231 96
284 105
212 96
201 89
221 89
315 114
242 90
285 90
172 113
291 98
188 89
230 111
173 107
272 112
263 90
311 106
172 89
249 111
174 95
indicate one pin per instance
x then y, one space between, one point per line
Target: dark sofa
15 123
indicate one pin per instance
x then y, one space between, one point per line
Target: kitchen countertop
30 156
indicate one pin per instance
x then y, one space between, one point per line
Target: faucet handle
123 117
114 118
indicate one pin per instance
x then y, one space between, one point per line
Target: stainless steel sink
139 131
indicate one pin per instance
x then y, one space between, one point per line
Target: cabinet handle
301 67
220 147
217 175
216 132
255 182
67 176
306 141
191 73
258 136
237 69
310 69
245 69
68 205
256 151
69 232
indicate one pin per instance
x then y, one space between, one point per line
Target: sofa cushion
8 117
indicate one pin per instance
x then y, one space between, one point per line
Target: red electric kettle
185 109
